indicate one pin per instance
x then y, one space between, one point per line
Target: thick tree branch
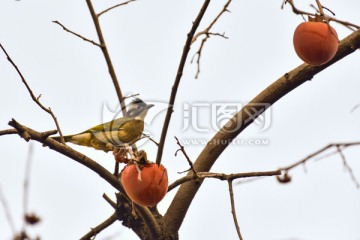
179 74
30 134
285 84
8 132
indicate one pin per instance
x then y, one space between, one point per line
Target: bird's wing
113 125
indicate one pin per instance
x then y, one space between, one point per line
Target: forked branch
106 54
179 74
34 98
207 33
339 147
349 25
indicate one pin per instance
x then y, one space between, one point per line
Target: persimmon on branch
289 81
43 137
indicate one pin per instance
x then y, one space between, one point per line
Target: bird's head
138 109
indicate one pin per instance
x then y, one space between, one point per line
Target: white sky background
145 40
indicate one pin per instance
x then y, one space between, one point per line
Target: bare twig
7 212
206 31
27 182
182 149
233 211
8 131
35 99
115 6
150 138
207 34
339 149
107 56
96 230
116 168
321 10
109 200
326 18
76 34
220 176
179 74
321 150
347 166
298 11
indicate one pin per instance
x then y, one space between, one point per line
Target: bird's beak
149 106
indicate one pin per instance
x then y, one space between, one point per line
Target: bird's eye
138 107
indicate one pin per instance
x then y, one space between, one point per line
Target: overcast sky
145 40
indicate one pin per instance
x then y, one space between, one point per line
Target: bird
119 132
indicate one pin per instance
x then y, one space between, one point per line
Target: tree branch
107 56
7 212
35 99
179 74
298 11
288 82
96 230
182 149
339 149
207 30
26 184
220 176
207 34
115 6
30 134
233 211
8 132
76 34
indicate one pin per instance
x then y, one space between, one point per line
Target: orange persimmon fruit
146 187
315 42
